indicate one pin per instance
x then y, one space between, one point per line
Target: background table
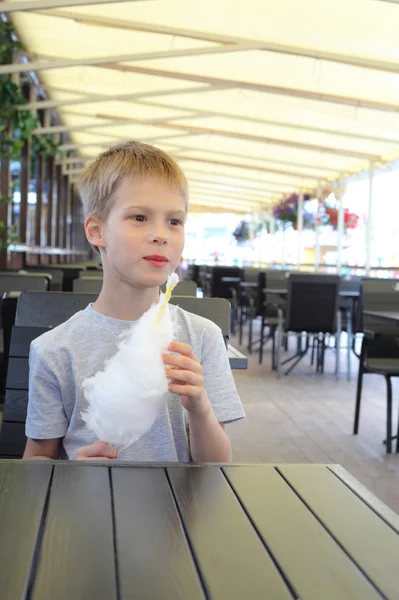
99 532
383 315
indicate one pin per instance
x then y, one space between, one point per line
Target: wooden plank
21 339
23 490
77 554
15 406
12 439
18 374
154 558
379 507
368 540
232 559
310 558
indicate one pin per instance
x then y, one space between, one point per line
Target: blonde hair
126 160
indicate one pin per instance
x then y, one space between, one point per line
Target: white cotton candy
125 398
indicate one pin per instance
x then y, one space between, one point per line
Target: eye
176 222
139 218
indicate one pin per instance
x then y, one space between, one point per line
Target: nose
159 236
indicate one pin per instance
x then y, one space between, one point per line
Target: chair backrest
214 309
219 288
183 288
57 275
379 295
19 282
274 280
312 303
91 273
47 310
91 285
250 274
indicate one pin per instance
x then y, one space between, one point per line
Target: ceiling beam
274 141
231 196
93 98
227 187
76 146
236 165
238 177
208 36
269 161
62 63
260 87
169 124
109 122
29 5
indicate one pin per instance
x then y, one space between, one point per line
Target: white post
369 218
340 223
300 228
317 241
272 243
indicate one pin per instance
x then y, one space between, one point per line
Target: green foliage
16 125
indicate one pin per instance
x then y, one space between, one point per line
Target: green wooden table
86 531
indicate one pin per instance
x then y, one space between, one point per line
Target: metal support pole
300 228
317 240
369 219
341 231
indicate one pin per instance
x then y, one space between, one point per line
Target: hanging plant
286 212
242 232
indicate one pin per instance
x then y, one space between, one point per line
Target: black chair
312 308
184 288
47 310
380 350
57 275
272 302
91 285
349 307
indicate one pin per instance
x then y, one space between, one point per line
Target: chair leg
397 438
262 337
349 334
389 414
273 334
278 345
241 324
359 390
313 349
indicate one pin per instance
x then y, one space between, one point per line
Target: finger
100 448
91 458
182 362
184 390
182 348
184 377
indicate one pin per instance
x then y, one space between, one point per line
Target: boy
135 203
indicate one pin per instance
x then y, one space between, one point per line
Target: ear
94 232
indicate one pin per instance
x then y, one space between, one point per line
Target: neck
124 302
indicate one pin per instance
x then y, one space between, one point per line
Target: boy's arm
42 449
208 440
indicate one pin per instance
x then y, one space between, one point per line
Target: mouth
156 260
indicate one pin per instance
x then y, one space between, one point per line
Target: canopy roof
253 99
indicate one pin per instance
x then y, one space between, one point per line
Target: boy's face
143 236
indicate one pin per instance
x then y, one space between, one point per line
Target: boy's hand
97 451
186 378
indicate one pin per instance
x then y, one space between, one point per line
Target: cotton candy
125 398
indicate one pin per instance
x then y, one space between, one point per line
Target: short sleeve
218 378
46 418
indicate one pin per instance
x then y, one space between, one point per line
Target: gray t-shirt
62 358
